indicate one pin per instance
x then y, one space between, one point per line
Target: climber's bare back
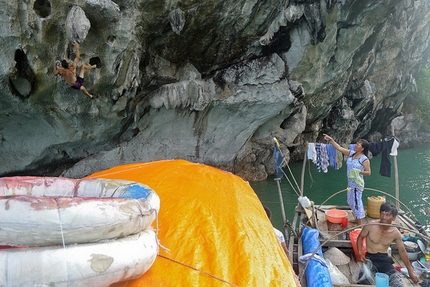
69 74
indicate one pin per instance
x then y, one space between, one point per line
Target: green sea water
413 178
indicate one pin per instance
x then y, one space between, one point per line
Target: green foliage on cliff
421 99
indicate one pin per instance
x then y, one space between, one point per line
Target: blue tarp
317 275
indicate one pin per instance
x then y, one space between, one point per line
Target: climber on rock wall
68 71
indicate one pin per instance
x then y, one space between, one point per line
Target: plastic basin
418 269
413 255
335 215
411 246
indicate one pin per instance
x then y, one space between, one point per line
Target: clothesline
325 155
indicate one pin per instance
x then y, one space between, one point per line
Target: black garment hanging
385 168
383 147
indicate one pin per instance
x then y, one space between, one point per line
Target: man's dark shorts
78 84
382 263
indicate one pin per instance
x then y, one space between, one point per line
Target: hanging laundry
312 153
394 147
385 147
324 158
325 155
318 152
331 151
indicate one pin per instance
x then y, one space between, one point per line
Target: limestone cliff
207 81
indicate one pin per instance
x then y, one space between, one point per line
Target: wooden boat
328 234
41 211
75 232
336 235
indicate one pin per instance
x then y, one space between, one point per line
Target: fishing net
366 275
396 280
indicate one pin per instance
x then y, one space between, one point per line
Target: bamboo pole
302 178
396 174
281 200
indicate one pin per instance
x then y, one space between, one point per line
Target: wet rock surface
210 81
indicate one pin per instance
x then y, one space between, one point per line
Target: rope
295 181
131 216
198 270
310 175
289 181
284 161
156 231
61 224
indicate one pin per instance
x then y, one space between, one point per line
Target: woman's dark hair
365 144
65 64
268 212
388 207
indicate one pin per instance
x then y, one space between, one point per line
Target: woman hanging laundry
358 165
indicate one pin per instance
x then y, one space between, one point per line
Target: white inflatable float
40 211
93 264
75 232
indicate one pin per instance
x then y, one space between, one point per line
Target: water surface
413 177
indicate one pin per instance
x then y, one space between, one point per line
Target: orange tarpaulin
214 226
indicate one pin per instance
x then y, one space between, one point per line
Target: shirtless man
68 72
378 239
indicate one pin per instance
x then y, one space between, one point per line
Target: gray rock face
210 81
77 25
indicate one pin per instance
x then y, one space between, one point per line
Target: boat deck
334 235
